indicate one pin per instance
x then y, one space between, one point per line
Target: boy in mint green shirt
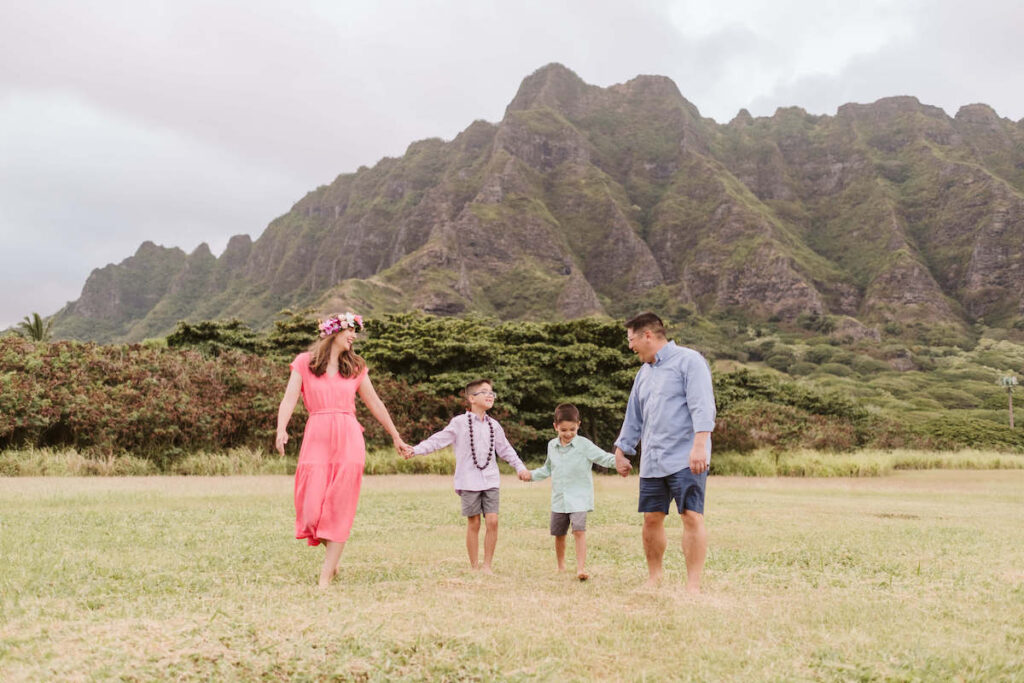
572 483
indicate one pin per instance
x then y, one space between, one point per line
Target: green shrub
818 354
836 369
801 368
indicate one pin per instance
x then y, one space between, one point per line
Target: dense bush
162 403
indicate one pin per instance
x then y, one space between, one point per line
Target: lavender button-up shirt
468 477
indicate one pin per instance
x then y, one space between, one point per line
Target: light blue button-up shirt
672 399
572 478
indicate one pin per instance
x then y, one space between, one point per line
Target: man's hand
622 463
698 458
524 475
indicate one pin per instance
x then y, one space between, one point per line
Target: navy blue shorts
687 488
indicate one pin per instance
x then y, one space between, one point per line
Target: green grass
916 576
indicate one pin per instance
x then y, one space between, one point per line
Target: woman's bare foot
325 583
582 575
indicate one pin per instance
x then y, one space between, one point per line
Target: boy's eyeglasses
484 393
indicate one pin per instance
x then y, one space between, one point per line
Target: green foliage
35 328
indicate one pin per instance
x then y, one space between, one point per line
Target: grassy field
914 576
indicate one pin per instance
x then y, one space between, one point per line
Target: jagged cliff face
604 200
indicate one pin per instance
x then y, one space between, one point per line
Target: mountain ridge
587 200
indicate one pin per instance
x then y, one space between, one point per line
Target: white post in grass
1009 381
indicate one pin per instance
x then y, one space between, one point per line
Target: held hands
622 463
404 450
524 475
280 441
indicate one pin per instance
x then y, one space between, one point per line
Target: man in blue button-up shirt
671 412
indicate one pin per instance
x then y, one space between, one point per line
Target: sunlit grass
912 576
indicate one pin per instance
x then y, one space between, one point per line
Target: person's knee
692 521
473 522
492 522
578 535
653 520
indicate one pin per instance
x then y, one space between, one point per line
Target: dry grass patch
913 576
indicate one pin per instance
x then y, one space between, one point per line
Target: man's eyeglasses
484 393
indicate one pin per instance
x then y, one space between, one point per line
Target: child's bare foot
582 575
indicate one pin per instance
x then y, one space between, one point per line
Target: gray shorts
560 522
477 502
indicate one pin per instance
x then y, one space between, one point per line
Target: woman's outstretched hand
282 439
404 449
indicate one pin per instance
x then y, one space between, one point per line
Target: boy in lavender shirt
478 440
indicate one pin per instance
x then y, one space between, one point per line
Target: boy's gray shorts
560 522
477 502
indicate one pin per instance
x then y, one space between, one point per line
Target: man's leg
560 552
695 548
490 539
473 539
654 545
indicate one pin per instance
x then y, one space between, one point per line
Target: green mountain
586 200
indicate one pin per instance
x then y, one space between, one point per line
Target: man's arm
700 398
629 435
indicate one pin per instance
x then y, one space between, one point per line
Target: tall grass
43 462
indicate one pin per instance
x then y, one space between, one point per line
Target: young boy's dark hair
476 383
566 412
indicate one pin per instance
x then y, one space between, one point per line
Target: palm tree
1009 381
34 328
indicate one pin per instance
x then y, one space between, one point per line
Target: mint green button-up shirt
572 479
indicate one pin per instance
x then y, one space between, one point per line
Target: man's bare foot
582 576
652 582
486 569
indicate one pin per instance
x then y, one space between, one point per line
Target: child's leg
490 538
581 553
473 539
330 566
560 552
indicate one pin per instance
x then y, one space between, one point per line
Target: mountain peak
553 85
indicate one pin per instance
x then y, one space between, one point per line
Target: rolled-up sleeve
700 394
632 423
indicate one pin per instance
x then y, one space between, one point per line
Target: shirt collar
666 351
571 444
471 416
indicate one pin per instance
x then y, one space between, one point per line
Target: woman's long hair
350 363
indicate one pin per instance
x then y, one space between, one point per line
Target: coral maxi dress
330 469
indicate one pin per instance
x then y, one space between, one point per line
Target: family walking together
670 414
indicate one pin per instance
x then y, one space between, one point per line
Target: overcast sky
189 121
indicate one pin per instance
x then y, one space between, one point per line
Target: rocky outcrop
585 200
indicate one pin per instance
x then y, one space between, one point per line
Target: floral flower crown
337 323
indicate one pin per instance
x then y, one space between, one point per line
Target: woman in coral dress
330 468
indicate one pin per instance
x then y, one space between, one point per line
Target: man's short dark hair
477 383
646 321
566 412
